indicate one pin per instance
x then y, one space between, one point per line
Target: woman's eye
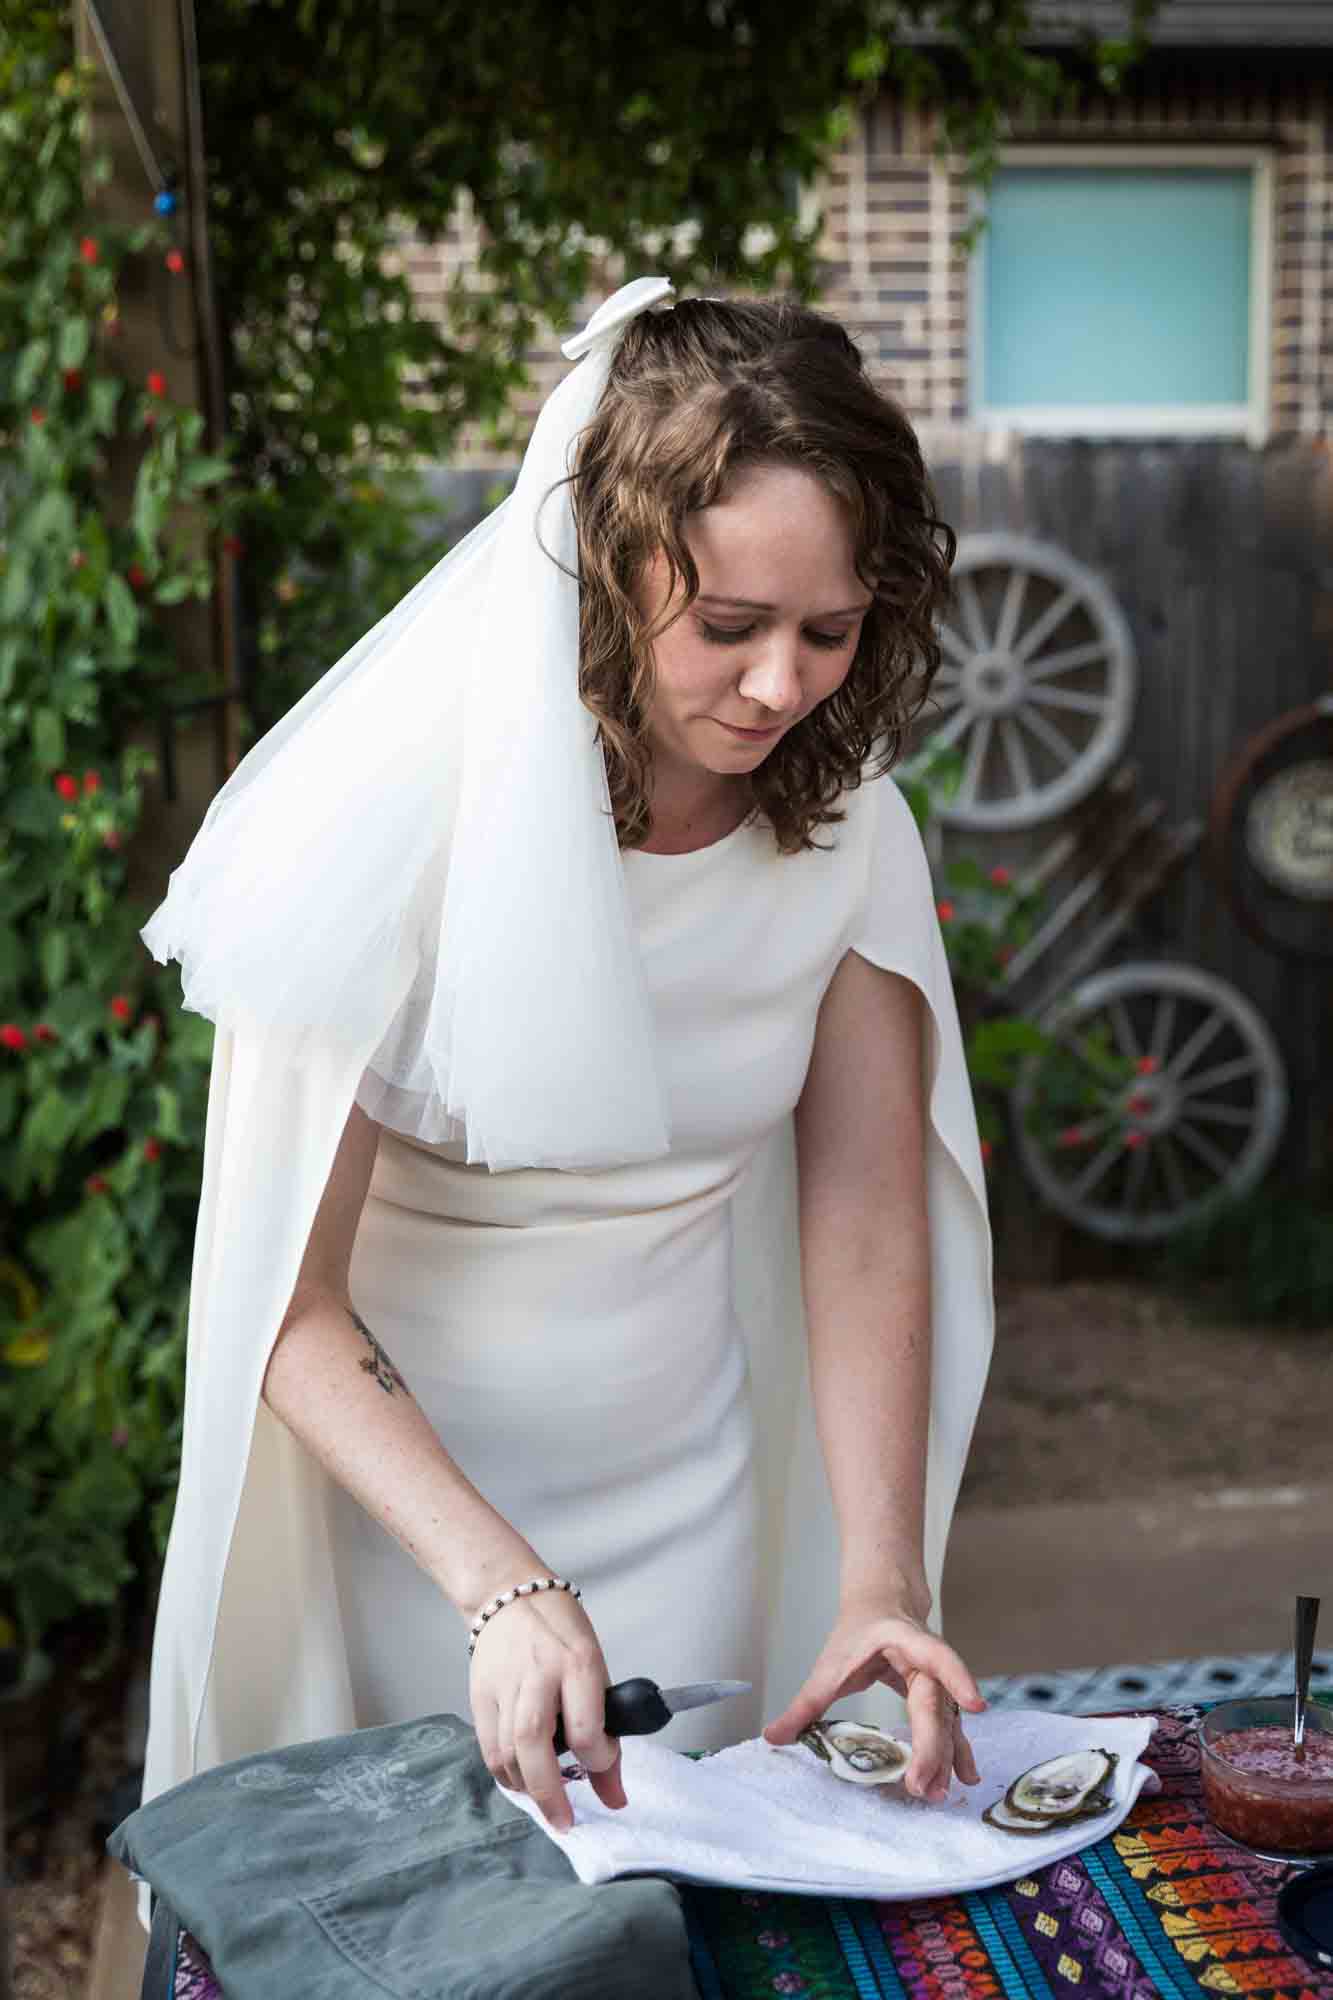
725 635
732 635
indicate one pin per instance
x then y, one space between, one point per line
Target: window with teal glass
1117 288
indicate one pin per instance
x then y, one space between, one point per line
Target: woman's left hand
879 1642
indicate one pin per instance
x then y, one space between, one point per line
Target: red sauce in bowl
1256 1788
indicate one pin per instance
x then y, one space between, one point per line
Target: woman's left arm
865 1263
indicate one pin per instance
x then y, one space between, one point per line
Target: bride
592 1197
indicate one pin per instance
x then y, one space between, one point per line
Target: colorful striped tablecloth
1164 1909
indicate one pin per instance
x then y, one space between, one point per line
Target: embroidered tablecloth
1165 1909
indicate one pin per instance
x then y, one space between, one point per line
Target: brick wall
893 210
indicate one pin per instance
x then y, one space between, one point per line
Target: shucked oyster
1062 1786
1056 1793
857 1751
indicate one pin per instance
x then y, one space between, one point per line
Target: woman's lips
751 735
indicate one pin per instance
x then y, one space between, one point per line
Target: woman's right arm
334 1386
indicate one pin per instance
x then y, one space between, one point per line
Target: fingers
823 1687
932 1715
534 1748
528 1677
583 1708
964 1762
932 1656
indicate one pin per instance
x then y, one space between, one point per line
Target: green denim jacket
388 1862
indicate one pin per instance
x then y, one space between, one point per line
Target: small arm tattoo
377 1364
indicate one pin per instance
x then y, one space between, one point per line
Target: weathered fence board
1221 559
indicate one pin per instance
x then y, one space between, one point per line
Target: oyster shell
1061 1788
857 1751
1000 1815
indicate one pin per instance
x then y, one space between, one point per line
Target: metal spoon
1307 1617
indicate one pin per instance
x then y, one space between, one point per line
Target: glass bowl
1254 1790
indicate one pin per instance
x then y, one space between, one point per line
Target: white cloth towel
757 1817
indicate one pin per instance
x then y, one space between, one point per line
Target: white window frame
1252 420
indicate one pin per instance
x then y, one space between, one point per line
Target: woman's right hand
538 1660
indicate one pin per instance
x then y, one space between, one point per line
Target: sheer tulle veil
423 848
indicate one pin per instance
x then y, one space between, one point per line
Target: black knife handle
633 1708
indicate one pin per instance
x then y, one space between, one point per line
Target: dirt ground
1097 1390
1104 1389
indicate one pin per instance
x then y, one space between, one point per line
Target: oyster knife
640 1707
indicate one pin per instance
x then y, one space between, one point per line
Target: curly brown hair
694 394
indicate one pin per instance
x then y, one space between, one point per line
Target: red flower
88 249
138 576
95 1184
152 1149
1001 877
232 545
157 383
13 1036
67 786
111 839
37 414
73 379
121 1007
987 1149
174 261
1073 1135
945 912
45 1032
1139 1104
91 781
1146 1065
1135 1139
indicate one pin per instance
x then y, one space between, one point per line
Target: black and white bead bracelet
488 1611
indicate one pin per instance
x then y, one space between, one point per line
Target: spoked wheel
1183 1101
1036 688
1270 834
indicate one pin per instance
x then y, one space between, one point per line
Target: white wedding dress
614 1357
575 1338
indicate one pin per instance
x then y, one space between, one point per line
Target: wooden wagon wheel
1270 834
1036 688
1188 1100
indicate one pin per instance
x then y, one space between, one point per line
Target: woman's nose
772 676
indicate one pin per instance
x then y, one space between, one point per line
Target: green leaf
28 372
11 651
53 951
122 611
16 591
103 401
48 738
52 519
50 1122
174 591
203 472
75 337
965 873
168 1113
105 1106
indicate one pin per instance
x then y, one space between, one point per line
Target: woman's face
772 633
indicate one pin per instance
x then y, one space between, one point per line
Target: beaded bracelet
508 1597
